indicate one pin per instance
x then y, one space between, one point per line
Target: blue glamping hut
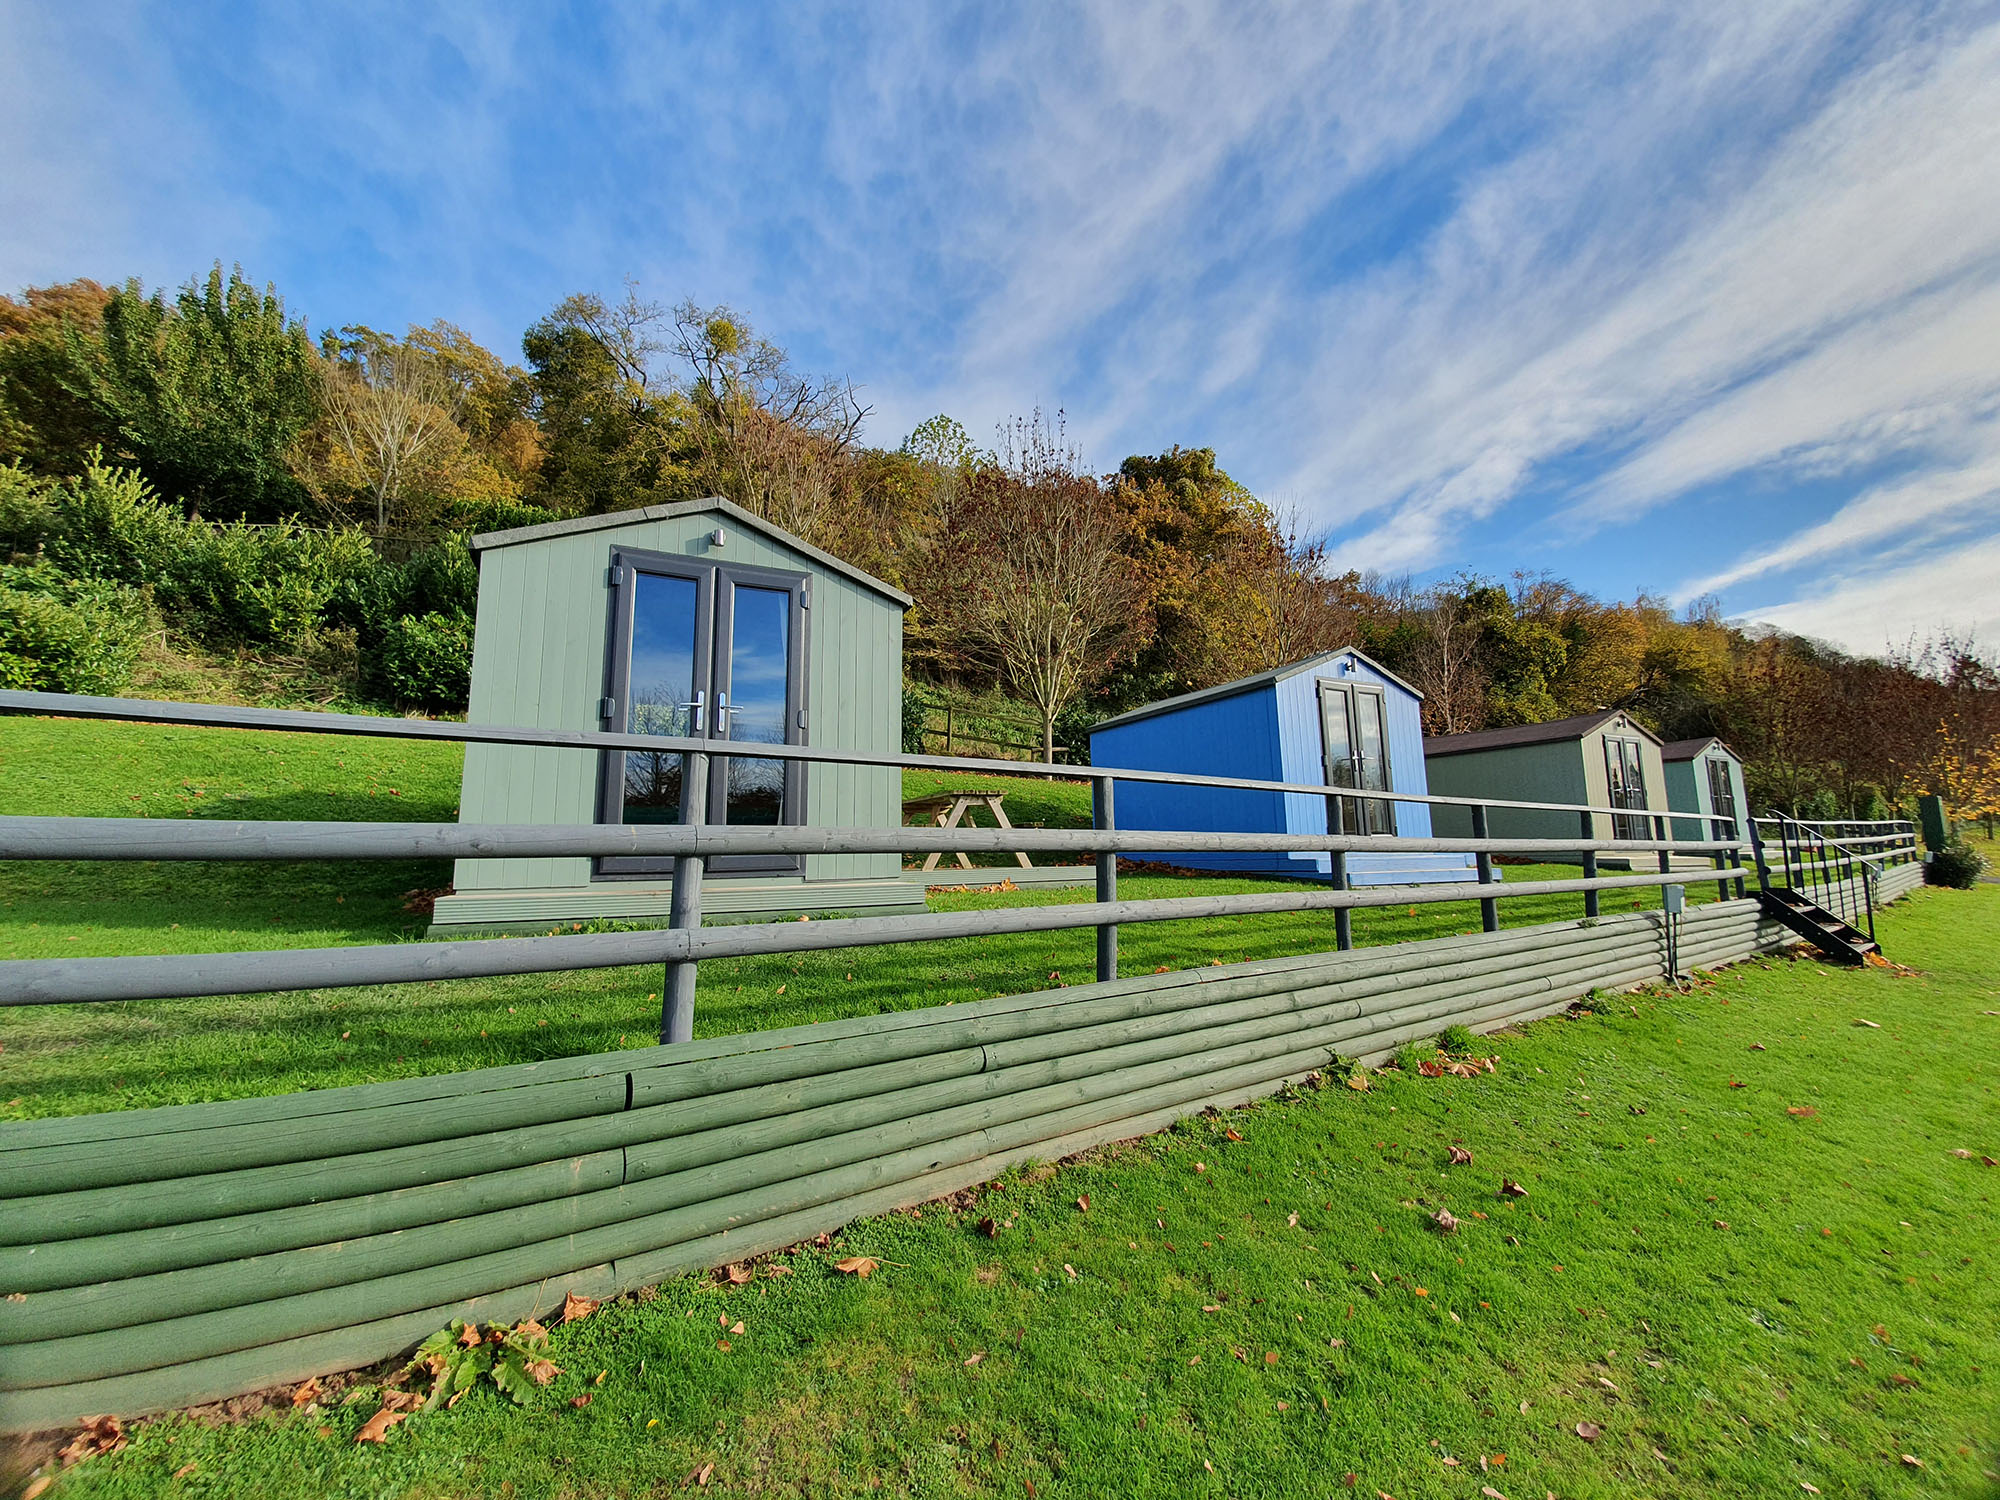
1337 719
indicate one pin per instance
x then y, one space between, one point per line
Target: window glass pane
1370 709
662 685
1339 746
759 703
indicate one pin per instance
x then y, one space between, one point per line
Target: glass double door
1721 800
705 651
1627 775
1354 740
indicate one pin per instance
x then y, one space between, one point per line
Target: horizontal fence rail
183 976
219 716
184 838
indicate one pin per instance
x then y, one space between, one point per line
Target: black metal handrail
1838 877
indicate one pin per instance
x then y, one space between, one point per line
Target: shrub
1956 865
1457 1040
1411 1054
26 512
426 660
233 581
68 635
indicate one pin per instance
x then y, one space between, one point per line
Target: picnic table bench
948 809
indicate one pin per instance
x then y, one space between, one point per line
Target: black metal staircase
1819 888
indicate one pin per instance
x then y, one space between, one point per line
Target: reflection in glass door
705 651
756 705
1354 741
1721 800
1628 787
667 690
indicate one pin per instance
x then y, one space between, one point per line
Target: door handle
699 709
721 714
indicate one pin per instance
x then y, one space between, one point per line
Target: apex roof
1249 684
1533 734
614 520
1689 749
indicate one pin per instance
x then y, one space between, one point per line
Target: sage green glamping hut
1605 759
679 619
1705 776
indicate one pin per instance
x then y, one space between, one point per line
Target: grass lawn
75 1059
1743 1291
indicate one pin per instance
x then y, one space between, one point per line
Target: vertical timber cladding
541 658
255 1242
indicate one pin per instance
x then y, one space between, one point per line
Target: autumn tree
1036 581
388 405
44 423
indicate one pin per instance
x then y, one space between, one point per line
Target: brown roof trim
1678 750
1531 734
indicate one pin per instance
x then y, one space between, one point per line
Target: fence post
677 991
1343 917
1666 855
1104 816
1489 909
1590 902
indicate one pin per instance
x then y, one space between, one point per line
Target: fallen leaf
97 1435
1444 1221
1910 1460
1590 1432
1491 1493
1512 1189
1810 1489
575 1307
402 1401
774 1269
1721 1223
781 990
36 1486
1962 1154
698 1476
184 1470
1736 1085
583 1400
1460 1157
1292 1221
376 1428
307 1393
733 1275
532 1331
1871 1025
975 1359
1803 1111
469 1339
1757 1047
736 1330
1232 1135
1358 1082
1421 1291
1083 1203
1270 1356
857 1265
988 1228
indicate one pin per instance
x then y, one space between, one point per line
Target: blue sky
1695 298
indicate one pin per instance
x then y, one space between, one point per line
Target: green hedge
68 635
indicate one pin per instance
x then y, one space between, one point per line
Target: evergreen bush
1956 865
68 635
425 661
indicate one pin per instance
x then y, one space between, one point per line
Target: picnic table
949 809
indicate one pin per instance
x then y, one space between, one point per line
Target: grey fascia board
487 541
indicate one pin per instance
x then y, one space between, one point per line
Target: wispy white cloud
1868 608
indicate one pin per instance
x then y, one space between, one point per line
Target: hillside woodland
201 498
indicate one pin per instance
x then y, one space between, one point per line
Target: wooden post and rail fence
165 1257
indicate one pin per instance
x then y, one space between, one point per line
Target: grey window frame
716 583
1364 811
